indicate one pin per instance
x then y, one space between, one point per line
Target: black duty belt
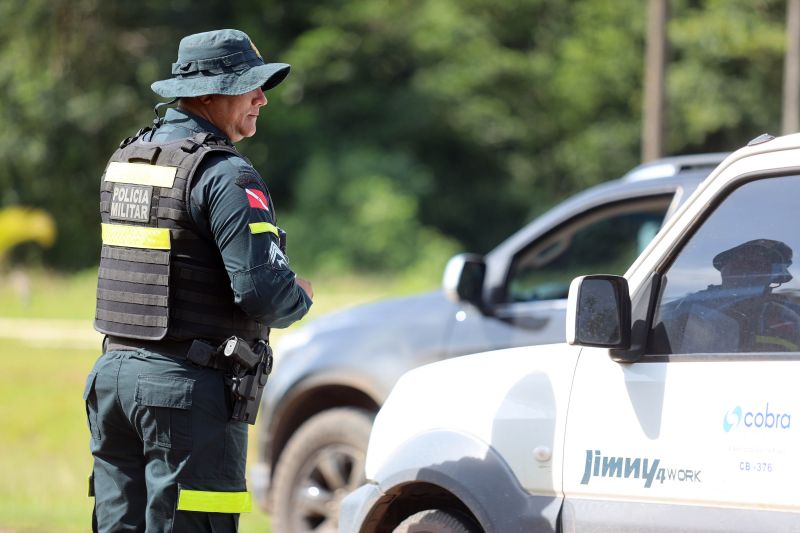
196 351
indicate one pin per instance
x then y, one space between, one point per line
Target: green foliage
725 85
363 219
455 120
75 77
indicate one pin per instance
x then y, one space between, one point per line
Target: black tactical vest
159 278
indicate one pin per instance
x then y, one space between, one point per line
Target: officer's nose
260 98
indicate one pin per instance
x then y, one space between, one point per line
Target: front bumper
356 506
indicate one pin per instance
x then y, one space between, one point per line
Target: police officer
191 258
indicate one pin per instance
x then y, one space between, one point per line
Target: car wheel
321 464
437 521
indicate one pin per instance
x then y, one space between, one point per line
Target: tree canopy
407 130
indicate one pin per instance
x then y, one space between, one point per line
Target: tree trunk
654 122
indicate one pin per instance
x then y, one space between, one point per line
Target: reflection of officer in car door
760 266
749 274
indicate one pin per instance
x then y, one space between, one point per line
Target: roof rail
671 166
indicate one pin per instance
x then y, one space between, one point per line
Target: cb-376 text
747 466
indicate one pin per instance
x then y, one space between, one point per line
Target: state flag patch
257 199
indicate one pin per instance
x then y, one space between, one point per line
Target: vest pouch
133 291
144 154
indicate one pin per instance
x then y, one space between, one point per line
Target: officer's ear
190 101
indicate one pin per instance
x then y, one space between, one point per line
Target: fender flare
476 474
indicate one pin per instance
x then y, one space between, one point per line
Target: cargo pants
166 455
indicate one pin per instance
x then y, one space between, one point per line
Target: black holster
251 368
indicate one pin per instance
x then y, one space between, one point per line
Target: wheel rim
323 481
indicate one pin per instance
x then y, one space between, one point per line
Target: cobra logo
755 419
732 419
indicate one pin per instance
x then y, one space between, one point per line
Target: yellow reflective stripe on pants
214 502
136 236
263 227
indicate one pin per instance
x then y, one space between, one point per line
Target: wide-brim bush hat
219 62
759 256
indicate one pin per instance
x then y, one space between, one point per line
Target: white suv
672 409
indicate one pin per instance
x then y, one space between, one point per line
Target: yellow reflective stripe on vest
777 341
136 236
214 502
263 227
141 174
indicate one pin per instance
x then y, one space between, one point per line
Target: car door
532 300
701 433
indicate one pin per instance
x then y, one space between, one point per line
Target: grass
44 440
51 295
43 294
45 459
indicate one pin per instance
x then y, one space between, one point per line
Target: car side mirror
599 312
463 279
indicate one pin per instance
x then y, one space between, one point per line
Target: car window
606 240
733 288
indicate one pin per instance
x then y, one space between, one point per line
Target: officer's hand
306 286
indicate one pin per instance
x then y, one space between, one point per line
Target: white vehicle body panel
652 432
513 402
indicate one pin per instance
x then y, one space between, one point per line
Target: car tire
437 521
322 463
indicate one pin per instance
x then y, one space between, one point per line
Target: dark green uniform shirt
225 201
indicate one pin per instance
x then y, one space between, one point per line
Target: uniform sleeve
230 203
